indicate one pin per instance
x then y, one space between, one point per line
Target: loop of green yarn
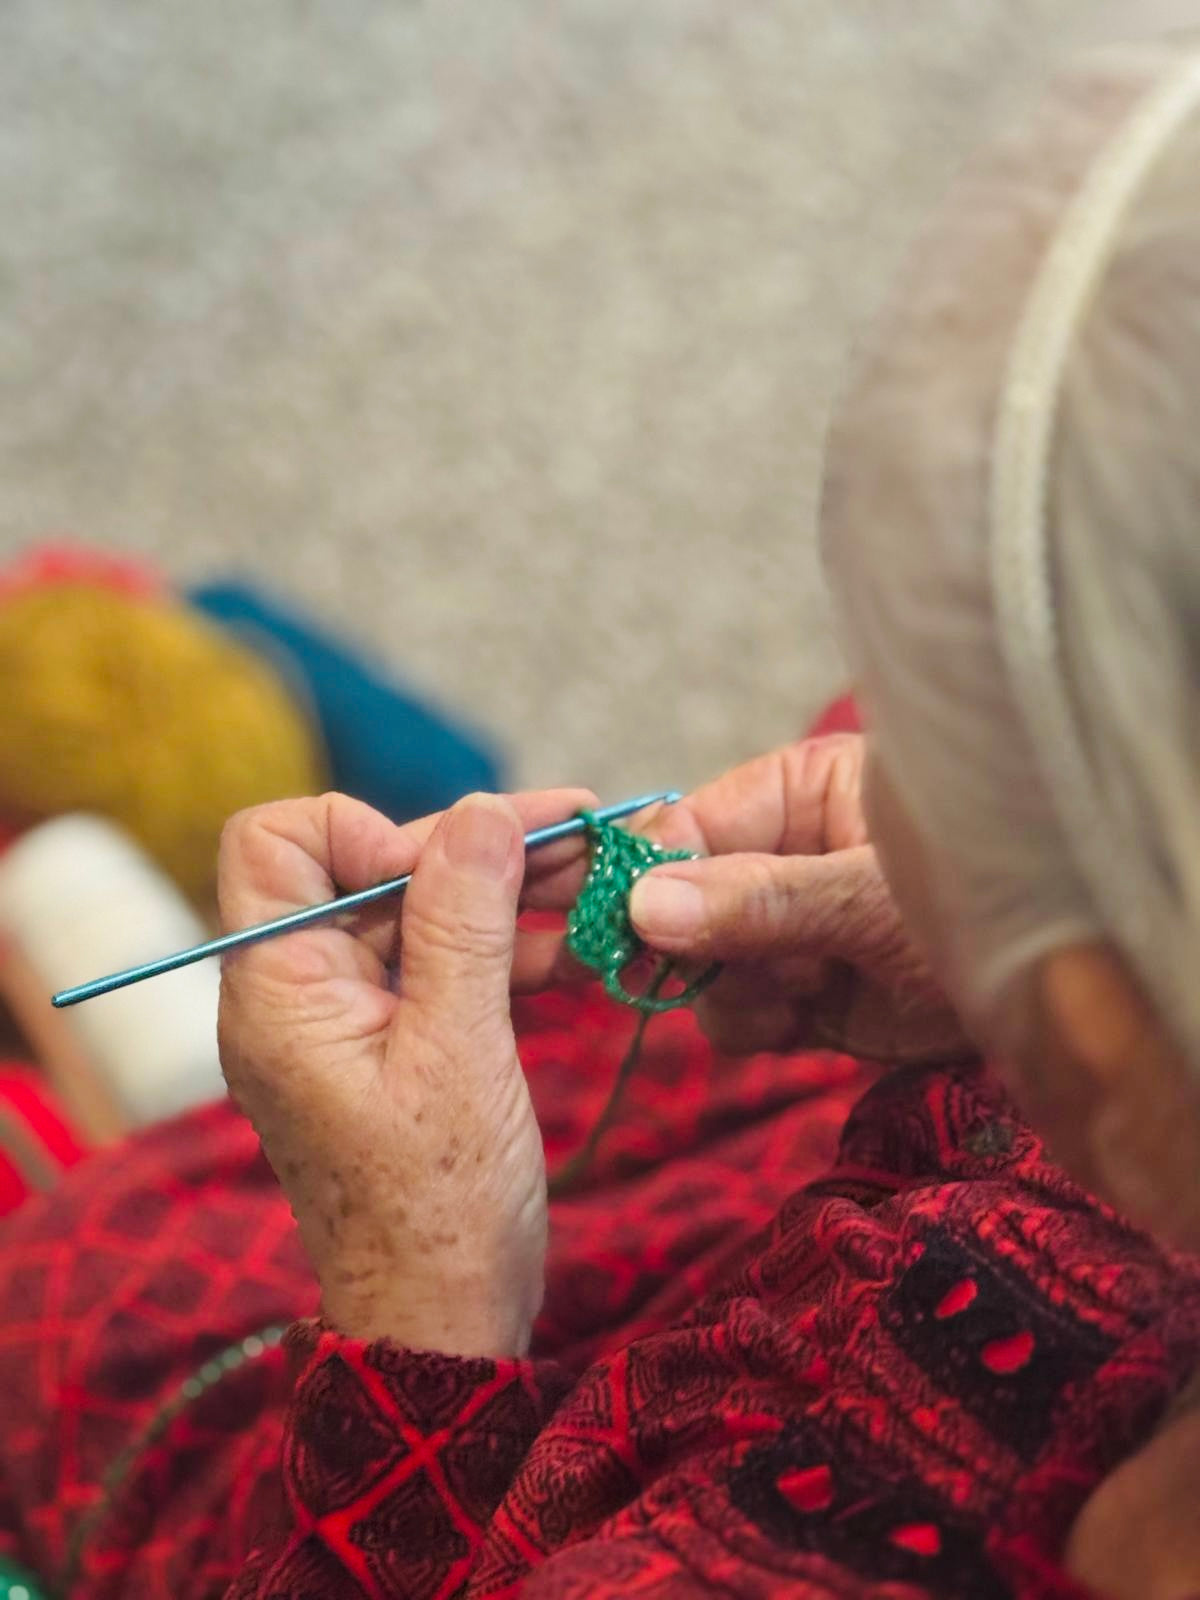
600 933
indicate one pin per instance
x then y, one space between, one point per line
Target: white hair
1036 840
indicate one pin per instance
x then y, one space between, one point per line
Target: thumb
750 907
458 920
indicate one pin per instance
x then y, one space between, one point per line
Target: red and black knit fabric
761 1370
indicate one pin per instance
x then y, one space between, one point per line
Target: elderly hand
793 902
392 1106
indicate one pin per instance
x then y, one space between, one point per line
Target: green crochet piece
601 935
599 930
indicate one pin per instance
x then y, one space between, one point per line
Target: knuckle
243 833
820 775
766 907
845 823
469 934
235 833
233 851
869 921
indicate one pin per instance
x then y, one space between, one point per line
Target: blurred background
499 337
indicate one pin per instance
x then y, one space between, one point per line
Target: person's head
1012 532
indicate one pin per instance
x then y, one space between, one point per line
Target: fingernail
667 908
479 835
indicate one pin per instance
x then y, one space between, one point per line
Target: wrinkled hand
793 902
390 1102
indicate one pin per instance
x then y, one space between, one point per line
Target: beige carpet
503 334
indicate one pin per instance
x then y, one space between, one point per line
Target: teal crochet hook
329 908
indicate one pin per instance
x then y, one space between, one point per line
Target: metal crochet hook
329 908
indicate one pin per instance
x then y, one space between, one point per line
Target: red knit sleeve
394 1461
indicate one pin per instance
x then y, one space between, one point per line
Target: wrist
456 1311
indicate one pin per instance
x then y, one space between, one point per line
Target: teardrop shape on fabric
920 1538
806 1488
1007 1355
957 1299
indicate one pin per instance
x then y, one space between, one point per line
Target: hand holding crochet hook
396 1115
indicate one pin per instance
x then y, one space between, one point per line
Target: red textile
840 716
898 1379
36 1142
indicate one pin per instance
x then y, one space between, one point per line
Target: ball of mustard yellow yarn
139 710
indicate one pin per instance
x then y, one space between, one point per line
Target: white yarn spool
79 899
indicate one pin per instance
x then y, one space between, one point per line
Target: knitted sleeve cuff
394 1461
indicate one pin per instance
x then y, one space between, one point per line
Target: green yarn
124 1464
600 933
17 1584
